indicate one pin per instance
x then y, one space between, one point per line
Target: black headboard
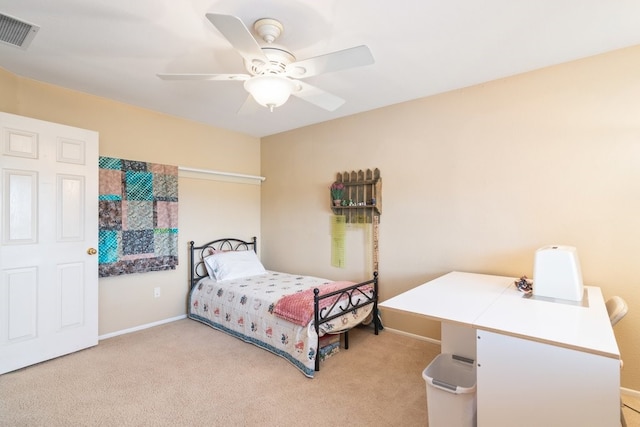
197 253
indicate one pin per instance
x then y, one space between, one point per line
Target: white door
48 236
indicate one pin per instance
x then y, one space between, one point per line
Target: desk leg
458 339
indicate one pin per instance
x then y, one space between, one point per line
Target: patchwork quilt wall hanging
138 217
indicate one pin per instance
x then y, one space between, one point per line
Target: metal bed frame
348 299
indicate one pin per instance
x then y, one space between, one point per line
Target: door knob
92 251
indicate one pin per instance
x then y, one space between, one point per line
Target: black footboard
346 300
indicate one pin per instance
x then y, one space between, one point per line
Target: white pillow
206 264
233 265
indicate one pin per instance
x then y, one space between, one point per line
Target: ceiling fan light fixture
270 91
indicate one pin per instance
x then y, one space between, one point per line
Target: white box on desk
557 273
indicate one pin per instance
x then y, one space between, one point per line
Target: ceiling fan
274 72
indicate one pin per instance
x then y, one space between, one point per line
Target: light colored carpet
185 373
631 410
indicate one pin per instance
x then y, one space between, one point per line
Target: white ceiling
115 48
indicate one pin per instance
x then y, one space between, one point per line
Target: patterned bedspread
244 309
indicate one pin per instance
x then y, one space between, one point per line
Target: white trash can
451 391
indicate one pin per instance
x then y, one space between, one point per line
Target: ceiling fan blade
238 77
318 97
234 30
348 58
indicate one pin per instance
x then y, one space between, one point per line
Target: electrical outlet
156 292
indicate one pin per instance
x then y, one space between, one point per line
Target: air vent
15 32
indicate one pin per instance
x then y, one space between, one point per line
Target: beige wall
8 90
207 209
477 180
473 180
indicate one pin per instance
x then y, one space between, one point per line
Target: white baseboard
629 392
141 327
410 335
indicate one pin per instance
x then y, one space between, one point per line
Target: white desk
539 362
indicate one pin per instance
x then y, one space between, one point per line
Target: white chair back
617 309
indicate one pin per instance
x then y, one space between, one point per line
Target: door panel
70 210
21 291
19 224
49 207
70 283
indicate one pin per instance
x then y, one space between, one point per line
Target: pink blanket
298 308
